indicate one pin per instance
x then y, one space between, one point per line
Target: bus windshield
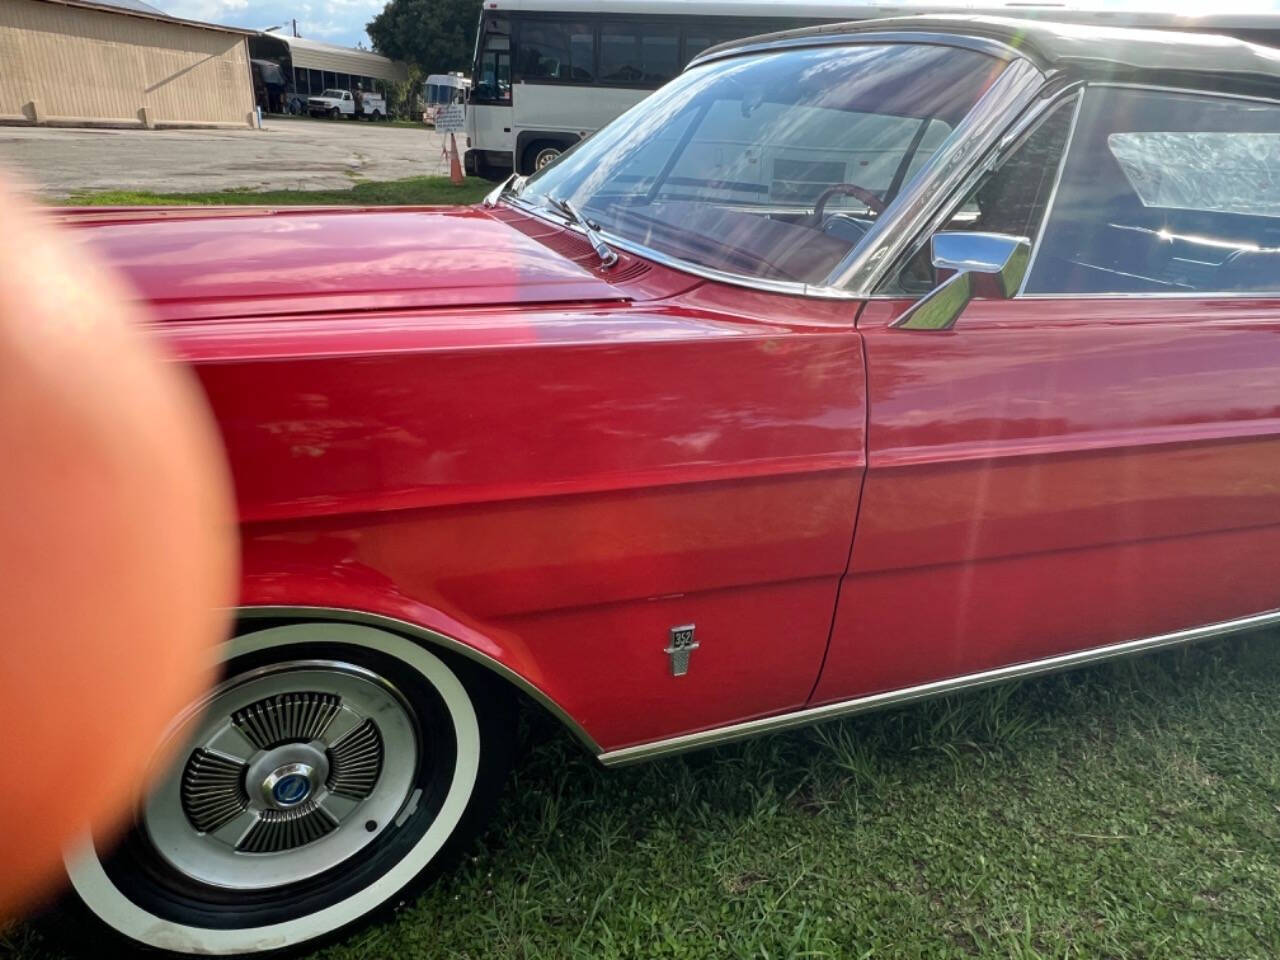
770 166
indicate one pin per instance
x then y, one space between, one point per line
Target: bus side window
556 50
639 53
493 80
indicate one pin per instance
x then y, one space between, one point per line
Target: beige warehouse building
120 63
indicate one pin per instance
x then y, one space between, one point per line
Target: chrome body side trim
403 627
831 711
1011 93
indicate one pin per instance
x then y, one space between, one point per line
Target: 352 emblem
683 642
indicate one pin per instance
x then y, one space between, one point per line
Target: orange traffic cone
455 167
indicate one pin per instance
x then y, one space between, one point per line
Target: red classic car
857 365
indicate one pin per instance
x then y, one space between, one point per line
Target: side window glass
1011 199
493 85
646 54
1165 193
556 50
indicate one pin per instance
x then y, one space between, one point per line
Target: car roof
1176 56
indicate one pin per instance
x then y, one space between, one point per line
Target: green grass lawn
1128 811
414 190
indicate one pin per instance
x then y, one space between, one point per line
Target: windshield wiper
512 185
607 257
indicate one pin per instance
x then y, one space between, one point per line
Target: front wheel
334 113
337 766
540 154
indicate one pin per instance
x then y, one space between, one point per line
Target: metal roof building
312 66
120 63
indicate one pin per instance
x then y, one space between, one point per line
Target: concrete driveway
286 154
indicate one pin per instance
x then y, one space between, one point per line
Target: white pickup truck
342 103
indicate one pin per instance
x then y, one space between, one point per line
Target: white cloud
334 21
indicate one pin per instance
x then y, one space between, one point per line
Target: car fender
317 596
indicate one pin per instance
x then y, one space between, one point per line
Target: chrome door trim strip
404 627
1012 92
876 701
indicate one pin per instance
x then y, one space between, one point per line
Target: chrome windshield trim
1015 88
972 681
345 615
788 287
994 48
791 287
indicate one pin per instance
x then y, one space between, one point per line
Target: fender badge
682 644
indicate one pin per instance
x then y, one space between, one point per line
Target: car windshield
773 165
335 94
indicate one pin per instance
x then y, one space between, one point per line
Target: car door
1097 459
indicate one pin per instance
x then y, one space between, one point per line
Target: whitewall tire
336 766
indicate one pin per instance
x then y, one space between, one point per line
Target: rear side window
1165 193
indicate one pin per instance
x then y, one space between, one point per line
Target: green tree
437 35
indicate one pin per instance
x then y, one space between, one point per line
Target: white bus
548 73
440 90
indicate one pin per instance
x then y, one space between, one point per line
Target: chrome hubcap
280 781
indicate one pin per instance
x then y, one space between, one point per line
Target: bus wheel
539 154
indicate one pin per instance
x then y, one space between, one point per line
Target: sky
332 21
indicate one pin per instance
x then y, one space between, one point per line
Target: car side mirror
969 265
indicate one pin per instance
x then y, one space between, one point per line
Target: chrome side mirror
969 265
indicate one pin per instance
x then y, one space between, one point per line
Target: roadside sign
451 118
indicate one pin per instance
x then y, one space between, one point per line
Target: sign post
452 119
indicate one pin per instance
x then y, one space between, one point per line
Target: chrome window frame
1022 127
957 160
855 277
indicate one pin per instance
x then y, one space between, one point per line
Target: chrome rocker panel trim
831 711
404 627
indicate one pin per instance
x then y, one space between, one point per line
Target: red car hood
235 262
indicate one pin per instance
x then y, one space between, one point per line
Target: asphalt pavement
297 154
